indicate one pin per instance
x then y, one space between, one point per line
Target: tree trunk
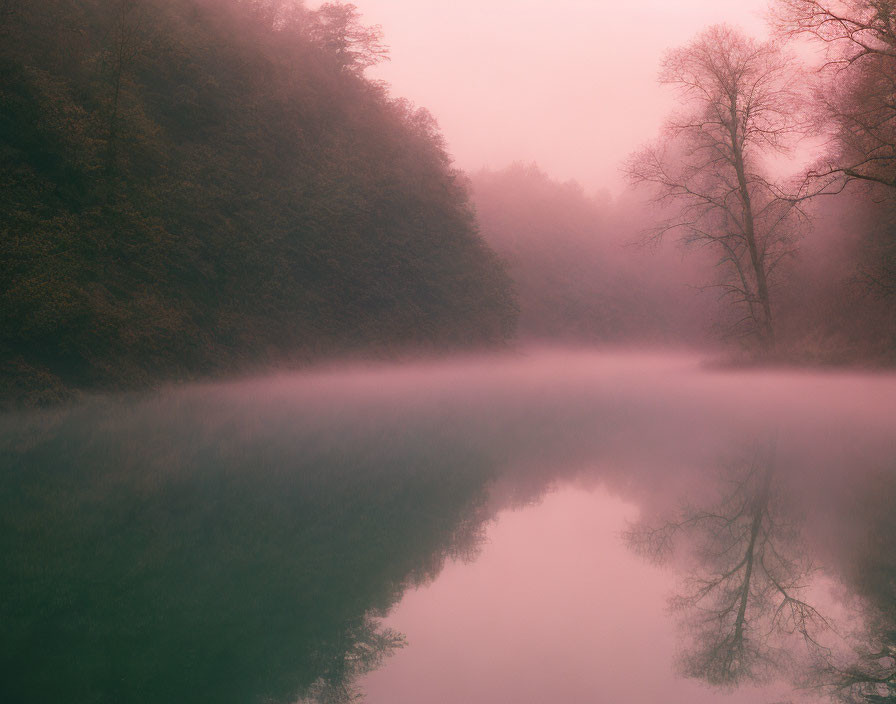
766 329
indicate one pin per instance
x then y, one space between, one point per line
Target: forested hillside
200 186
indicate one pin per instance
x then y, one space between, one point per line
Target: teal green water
241 542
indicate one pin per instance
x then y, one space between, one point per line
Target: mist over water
241 541
634 439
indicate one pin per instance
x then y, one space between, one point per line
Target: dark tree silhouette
856 103
190 187
367 645
857 100
125 40
869 675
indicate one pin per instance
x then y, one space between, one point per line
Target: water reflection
154 557
242 543
366 647
863 669
868 673
555 609
746 574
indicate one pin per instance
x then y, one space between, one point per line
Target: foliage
192 187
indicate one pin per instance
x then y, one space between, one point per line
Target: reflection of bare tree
742 595
865 670
870 674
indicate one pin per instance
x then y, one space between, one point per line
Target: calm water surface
549 526
555 608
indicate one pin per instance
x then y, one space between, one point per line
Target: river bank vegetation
194 188
202 188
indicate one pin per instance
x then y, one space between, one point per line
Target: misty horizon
492 352
550 91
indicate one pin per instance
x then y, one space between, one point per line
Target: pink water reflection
554 609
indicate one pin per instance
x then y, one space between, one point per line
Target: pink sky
569 84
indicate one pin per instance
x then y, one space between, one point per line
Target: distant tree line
585 275
196 186
580 277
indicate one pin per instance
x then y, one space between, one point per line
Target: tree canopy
193 187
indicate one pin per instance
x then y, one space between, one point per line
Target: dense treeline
192 186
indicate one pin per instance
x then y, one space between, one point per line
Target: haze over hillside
418 352
200 188
195 187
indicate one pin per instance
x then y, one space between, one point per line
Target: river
545 525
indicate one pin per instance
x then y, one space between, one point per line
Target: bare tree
858 101
868 674
856 109
738 106
745 574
